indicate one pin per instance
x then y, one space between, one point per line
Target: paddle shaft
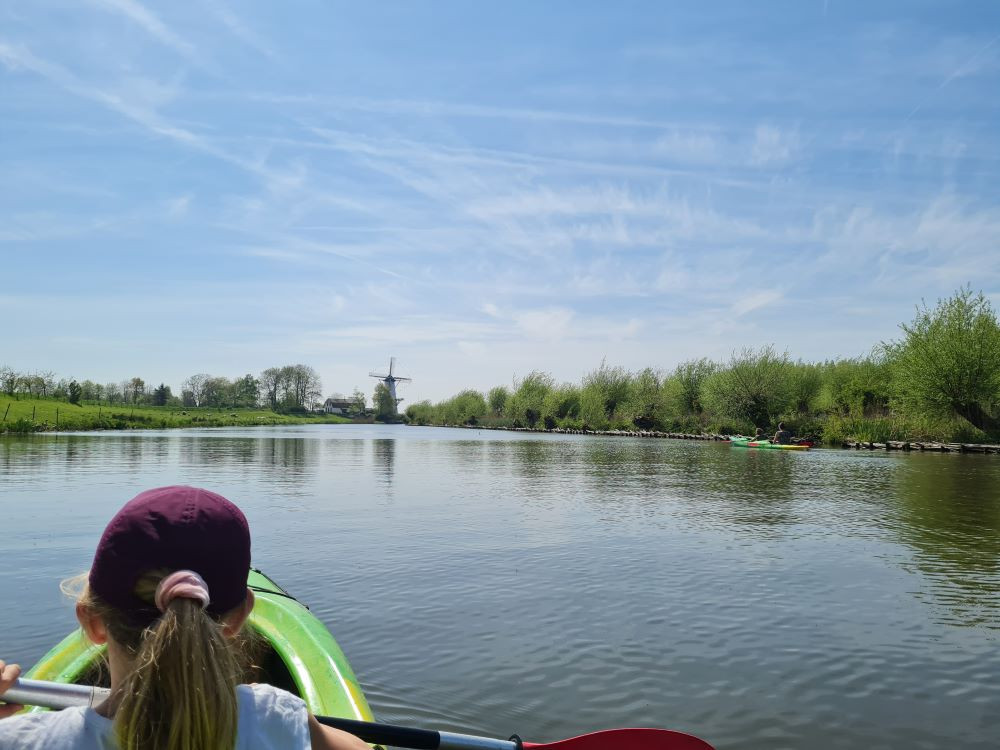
59 695
54 694
420 739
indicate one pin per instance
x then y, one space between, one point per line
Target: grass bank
47 415
825 429
830 431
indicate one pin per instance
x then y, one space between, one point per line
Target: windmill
389 381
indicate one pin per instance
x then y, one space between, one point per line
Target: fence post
57 417
5 413
32 413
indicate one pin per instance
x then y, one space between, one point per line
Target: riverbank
29 415
891 445
901 445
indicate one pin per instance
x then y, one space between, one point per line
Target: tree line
940 380
289 388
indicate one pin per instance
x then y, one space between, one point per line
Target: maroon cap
176 528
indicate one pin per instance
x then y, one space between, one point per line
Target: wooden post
57 417
32 413
5 413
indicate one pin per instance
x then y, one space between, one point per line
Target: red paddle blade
627 739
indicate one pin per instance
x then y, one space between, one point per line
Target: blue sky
485 189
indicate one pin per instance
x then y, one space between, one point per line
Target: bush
421 413
754 387
467 408
22 426
948 363
524 407
685 387
497 400
805 382
643 406
560 404
856 386
603 391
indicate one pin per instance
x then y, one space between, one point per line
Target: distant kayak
747 443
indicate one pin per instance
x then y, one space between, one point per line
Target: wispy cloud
433 108
968 67
18 57
547 323
537 205
239 29
147 20
140 109
755 301
772 146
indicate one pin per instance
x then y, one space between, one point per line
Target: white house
338 405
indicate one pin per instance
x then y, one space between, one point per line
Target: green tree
497 400
358 401
305 385
948 363
559 405
385 408
805 382
45 382
467 407
690 378
643 405
525 404
136 389
195 385
91 391
161 394
421 412
113 393
246 391
75 391
753 387
217 392
9 379
859 386
602 392
271 382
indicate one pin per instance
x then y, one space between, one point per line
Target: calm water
491 582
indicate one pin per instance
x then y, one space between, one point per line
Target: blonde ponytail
181 691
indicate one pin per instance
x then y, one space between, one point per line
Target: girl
167 593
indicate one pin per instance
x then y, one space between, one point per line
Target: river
490 582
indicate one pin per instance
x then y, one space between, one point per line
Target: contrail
952 77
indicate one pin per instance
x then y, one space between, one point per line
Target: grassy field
45 415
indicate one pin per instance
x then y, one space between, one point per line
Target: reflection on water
385 454
490 582
949 514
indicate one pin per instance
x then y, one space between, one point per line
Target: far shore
901 445
30 415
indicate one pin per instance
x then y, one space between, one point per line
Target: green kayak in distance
293 651
766 444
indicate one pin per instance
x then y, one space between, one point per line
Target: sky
485 189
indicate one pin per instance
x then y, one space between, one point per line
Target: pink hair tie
185 584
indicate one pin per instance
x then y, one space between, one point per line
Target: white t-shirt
269 719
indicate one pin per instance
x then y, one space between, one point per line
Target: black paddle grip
385 734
